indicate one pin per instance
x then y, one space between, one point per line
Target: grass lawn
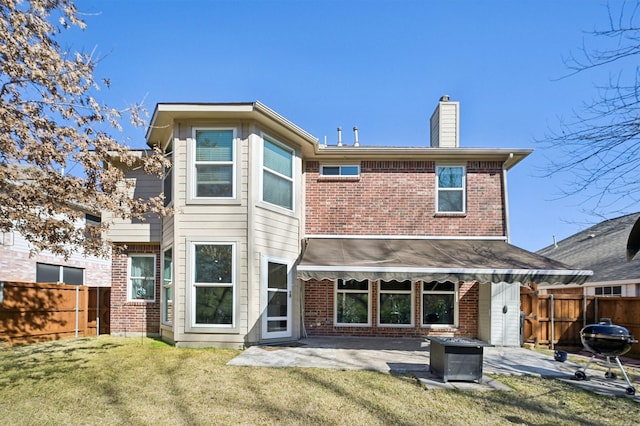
137 381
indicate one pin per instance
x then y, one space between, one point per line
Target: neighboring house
275 236
601 248
18 263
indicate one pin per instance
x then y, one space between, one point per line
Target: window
352 302
213 284
450 181
277 176
167 181
214 169
615 290
92 220
142 278
46 273
92 226
439 302
395 303
167 286
345 170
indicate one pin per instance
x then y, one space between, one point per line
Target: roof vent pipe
355 136
339 136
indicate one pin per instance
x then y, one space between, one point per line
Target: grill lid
606 339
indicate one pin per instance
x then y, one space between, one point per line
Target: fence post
85 302
98 310
77 308
553 337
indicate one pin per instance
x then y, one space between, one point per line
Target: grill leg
582 374
624 373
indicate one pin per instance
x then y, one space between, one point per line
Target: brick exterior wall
319 313
132 317
398 198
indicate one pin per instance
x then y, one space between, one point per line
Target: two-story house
275 236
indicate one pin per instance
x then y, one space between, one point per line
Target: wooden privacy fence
556 319
31 312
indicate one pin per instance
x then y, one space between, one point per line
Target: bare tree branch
50 120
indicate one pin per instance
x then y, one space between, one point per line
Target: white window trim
335 305
456 301
413 303
265 136
129 277
463 189
264 278
163 300
602 287
340 166
193 285
191 180
171 156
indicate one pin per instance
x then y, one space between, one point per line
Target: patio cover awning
431 260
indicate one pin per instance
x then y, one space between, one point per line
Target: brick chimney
445 124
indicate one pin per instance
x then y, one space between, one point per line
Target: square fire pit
456 358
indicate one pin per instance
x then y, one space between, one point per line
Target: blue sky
380 65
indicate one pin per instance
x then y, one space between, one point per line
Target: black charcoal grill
610 341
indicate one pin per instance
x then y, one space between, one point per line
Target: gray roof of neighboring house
601 248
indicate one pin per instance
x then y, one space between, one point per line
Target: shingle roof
601 248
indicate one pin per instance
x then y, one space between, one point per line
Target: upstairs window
92 226
214 163
450 183
341 170
167 181
277 175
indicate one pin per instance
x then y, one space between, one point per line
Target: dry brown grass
113 381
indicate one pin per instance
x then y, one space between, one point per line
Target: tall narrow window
213 284
167 183
352 302
395 303
214 163
142 277
439 303
450 181
277 176
167 286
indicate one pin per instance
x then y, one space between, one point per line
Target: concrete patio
411 356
